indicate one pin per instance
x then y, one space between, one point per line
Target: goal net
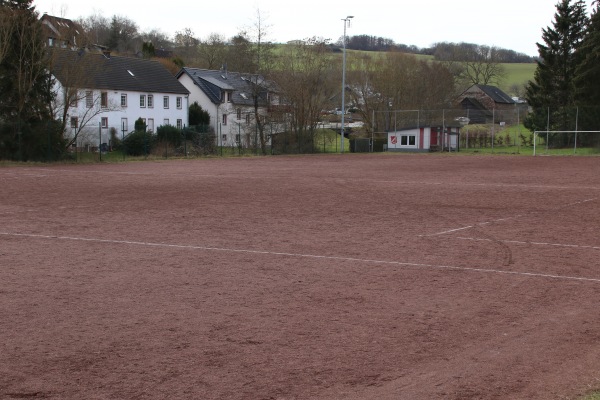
566 142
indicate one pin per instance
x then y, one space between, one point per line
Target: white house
99 94
228 97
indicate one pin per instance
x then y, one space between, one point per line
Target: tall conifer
553 84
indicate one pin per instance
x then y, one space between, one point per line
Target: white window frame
179 102
165 102
123 99
150 103
89 99
142 101
104 122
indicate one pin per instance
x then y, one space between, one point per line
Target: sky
510 24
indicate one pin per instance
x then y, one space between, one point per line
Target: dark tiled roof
61 26
97 71
212 83
496 94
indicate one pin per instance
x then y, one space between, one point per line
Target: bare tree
212 51
76 105
186 45
258 72
483 66
97 28
397 81
307 80
29 64
6 29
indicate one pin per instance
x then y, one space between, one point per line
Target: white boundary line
508 218
300 255
574 246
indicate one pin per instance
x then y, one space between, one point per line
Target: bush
139 143
169 134
35 141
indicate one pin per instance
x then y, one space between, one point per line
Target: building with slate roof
100 92
487 103
228 97
62 32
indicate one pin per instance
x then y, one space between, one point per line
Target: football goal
556 142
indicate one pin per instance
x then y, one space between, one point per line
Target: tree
587 74
186 45
75 105
198 116
124 35
553 86
6 28
307 80
397 81
25 83
472 64
257 55
212 51
97 28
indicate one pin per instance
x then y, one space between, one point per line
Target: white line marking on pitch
575 246
509 218
299 255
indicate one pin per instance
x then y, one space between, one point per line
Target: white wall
225 134
115 113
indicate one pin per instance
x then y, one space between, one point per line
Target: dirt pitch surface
316 277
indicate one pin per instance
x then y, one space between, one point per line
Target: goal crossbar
536 133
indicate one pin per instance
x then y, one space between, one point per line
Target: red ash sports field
309 277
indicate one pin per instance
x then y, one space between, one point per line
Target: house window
103 99
224 119
123 100
166 121
124 125
150 101
404 140
179 102
74 122
248 118
89 99
179 124
223 138
150 124
408 140
104 122
73 102
239 114
237 138
142 101
166 102
228 97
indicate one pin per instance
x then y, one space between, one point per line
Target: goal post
570 139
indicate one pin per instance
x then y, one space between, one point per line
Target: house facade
100 96
228 97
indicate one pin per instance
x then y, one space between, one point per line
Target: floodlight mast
346 23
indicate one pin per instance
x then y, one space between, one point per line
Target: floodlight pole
346 22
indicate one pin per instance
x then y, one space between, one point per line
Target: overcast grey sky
510 24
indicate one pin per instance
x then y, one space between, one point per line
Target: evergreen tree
25 84
553 85
587 79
